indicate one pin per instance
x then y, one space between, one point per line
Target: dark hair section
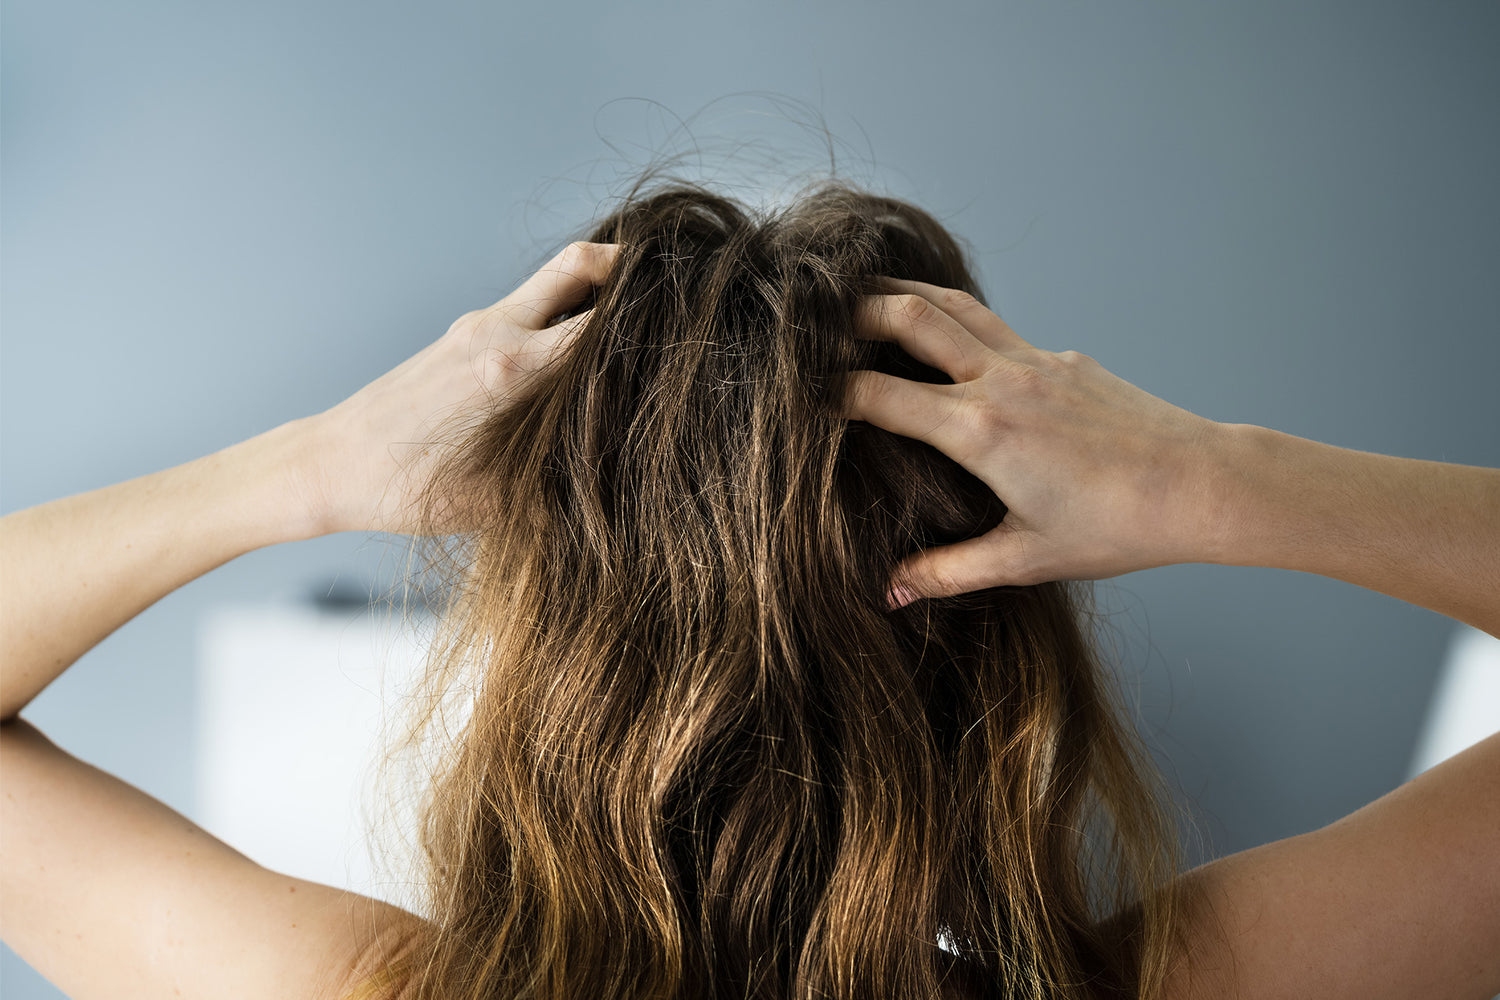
700 758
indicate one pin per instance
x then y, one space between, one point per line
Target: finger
994 559
925 332
544 343
562 283
918 410
981 321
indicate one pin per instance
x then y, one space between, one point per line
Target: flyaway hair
703 760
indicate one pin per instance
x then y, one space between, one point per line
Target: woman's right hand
1099 477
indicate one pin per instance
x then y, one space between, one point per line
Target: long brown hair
700 759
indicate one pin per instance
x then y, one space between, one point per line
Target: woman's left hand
374 454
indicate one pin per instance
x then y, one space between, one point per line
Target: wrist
282 466
1420 531
1242 459
1286 502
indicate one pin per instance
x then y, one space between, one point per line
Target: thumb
989 560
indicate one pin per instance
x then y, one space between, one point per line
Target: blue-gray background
220 217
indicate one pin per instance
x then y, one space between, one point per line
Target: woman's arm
1402 897
1102 478
113 896
104 890
107 892
1425 532
74 570
1399 899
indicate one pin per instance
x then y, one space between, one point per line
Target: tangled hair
702 760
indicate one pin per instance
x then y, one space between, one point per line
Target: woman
773 677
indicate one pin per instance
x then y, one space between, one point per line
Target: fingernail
899 596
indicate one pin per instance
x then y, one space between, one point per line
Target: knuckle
981 419
860 392
465 322
1046 361
504 366
959 300
583 257
876 392
913 308
989 419
1028 377
1075 359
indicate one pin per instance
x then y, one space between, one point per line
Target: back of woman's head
703 759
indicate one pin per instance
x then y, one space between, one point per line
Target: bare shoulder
113 896
382 968
1398 899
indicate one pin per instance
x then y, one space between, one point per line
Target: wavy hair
701 759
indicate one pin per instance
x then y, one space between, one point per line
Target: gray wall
217 218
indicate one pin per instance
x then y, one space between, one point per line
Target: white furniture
291 701
1465 705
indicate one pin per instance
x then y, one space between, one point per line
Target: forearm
1424 532
75 569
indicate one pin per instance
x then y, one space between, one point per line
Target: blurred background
218 217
